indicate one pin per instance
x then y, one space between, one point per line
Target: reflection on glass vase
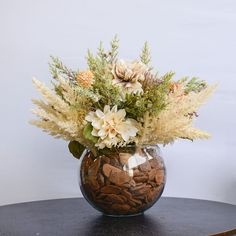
122 182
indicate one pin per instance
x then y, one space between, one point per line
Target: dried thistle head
85 78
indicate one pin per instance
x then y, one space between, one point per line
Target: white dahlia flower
128 75
111 126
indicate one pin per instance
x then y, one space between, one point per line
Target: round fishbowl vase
122 182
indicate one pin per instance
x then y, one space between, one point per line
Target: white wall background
195 38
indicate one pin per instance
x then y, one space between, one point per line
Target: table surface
75 217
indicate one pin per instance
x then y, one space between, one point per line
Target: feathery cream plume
52 99
58 117
173 122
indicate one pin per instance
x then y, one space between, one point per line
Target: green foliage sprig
152 100
100 66
193 85
145 55
57 68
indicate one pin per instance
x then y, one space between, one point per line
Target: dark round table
75 217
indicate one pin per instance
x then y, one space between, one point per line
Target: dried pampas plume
58 118
173 122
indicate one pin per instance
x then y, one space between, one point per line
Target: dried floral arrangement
113 103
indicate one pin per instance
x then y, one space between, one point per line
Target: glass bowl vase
122 182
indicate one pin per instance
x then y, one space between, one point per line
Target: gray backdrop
195 38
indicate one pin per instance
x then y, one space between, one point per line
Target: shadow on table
137 225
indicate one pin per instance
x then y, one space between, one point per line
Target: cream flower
128 75
111 126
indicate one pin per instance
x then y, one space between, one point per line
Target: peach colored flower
85 78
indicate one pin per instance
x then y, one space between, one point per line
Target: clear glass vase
122 182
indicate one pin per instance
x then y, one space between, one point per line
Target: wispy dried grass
174 122
58 116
